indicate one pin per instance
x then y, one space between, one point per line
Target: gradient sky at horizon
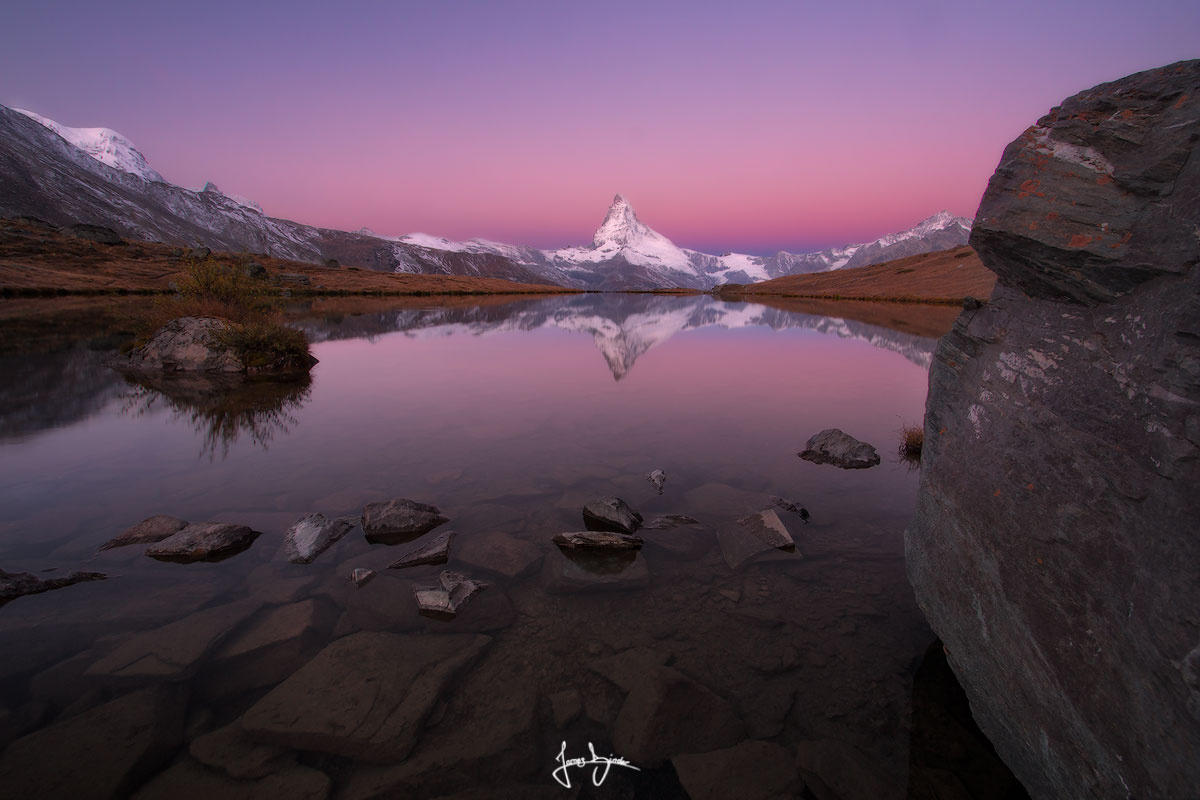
751 126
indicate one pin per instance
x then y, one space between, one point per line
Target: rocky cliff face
1056 541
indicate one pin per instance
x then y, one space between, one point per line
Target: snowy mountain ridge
622 237
103 144
96 175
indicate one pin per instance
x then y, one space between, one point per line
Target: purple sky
751 126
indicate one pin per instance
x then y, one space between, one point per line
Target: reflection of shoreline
222 408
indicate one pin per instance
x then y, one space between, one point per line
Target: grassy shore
39 261
944 277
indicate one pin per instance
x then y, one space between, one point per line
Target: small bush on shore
912 437
267 344
210 287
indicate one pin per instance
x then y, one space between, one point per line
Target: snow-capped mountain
105 145
625 253
66 175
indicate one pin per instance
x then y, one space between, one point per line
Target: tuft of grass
912 437
267 344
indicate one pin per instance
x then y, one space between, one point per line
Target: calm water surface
509 418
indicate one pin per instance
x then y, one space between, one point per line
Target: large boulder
201 345
1054 544
187 344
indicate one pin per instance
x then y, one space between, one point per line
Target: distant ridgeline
95 175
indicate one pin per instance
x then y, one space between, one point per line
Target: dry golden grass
912 438
946 276
37 260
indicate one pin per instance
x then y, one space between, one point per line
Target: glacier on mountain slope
105 145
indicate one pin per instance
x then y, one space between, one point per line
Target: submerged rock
499 553
312 535
174 651
753 535
748 770
665 713
834 446
594 571
445 598
657 479
187 780
399 520
434 550
19 584
148 531
204 541
611 514
365 696
104 752
1053 549
597 540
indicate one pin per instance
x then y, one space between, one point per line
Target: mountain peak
941 220
620 225
103 144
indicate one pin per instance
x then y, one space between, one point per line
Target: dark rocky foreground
1055 544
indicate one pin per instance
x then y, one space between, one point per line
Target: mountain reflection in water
623 326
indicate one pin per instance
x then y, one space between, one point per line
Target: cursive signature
602 765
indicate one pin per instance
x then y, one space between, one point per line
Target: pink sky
751 126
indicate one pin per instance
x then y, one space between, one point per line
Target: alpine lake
690 667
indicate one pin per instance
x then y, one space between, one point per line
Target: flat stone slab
433 549
187 780
594 572
148 531
19 584
598 540
834 446
366 696
231 750
399 520
173 651
204 541
312 535
446 598
103 752
499 553
611 514
753 535
666 713
749 771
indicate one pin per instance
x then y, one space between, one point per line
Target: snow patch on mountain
103 144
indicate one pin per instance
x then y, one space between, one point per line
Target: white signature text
601 765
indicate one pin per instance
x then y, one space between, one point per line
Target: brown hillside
946 276
38 258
